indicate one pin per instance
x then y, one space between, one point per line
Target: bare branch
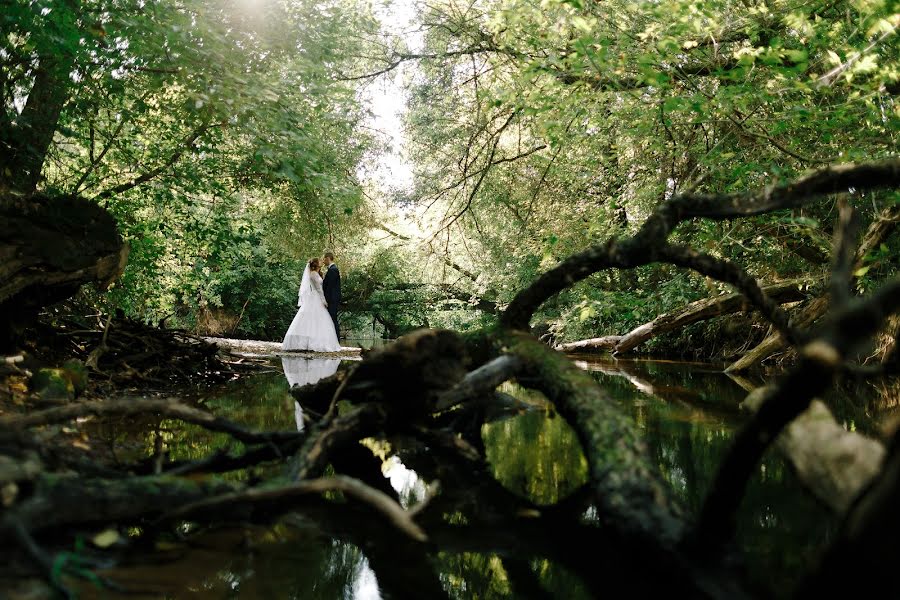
728 272
481 381
187 145
134 407
339 483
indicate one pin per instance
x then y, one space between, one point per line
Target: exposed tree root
378 500
166 408
406 390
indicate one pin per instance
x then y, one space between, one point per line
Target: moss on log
628 489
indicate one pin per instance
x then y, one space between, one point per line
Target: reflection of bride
312 327
306 371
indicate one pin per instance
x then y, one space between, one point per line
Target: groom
331 287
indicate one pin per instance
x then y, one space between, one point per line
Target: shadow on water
686 413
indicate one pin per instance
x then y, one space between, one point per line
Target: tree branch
354 488
643 247
185 146
820 359
134 407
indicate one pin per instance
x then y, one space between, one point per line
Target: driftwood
123 351
700 310
135 406
352 487
805 317
395 393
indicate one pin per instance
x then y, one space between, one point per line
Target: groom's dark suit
331 287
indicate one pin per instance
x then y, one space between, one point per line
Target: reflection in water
687 416
547 464
306 371
410 488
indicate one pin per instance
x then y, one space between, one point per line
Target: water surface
687 414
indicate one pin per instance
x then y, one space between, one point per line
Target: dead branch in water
354 488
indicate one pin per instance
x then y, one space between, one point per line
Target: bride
312 328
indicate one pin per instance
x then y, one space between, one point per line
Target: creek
687 413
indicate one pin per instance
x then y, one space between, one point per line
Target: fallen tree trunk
773 342
701 310
607 342
49 247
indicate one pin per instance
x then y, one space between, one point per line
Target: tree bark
26 142
49 247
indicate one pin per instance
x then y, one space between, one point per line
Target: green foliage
572 120
216 133
227 138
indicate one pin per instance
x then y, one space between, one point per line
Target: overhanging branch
646 245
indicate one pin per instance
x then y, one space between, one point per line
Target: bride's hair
314 264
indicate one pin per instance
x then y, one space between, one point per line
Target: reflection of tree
470 575
687 432
547 463
532 454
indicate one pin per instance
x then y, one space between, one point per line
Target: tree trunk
49 247
878 231
774 342
782 292
25 143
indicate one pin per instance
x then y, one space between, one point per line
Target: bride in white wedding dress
312 327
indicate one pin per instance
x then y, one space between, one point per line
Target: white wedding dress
312 328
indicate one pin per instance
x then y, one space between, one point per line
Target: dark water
687 414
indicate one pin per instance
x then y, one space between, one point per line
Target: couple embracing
315 326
